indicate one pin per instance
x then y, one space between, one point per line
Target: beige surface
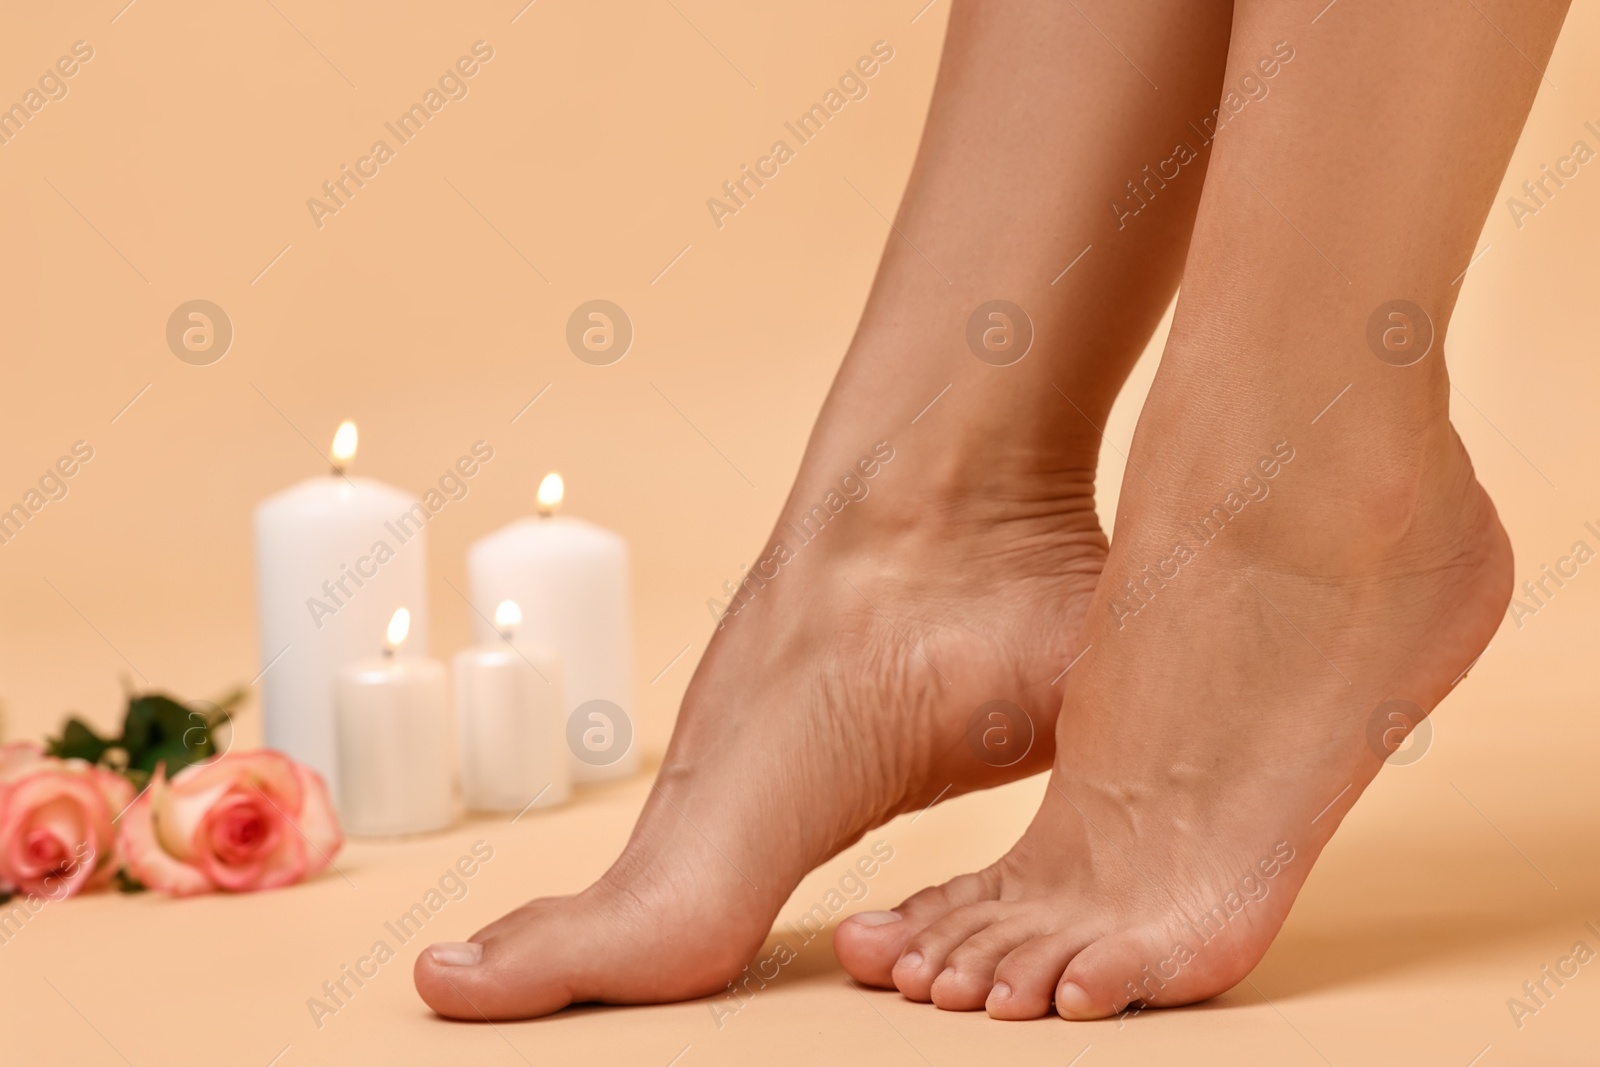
178 167
1419 923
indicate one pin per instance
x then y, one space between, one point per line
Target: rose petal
286 866
267 769
61 803
117 790
118 794
56 811
178 814
239 839
38 853
19 756
243 828
317 822
240 822
197 788
141 849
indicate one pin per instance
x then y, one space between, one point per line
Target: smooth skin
1208 736
840 696
1221 726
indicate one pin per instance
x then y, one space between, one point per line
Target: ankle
940 480
955 509
1352 504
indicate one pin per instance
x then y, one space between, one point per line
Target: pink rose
56 837
240 822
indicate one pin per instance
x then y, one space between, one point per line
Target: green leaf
229 703
160 730
127 883
78 741
157 729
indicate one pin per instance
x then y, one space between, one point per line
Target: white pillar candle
510 714
571 579
392 723
335 556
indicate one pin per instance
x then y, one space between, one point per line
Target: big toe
600 946
869 944
511 970
1115 971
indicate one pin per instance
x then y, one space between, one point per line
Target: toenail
877 918
1072 1001
456 953
910 961
1001 991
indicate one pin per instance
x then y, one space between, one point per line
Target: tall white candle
510 714
335 556
392 723
571 579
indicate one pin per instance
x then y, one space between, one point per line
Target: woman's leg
952 568
1322 566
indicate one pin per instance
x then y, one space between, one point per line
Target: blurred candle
335 556
391 719
510 714
571 579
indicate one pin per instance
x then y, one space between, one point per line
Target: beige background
178 167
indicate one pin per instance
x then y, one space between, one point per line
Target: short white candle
571 579
391 719
511 716
335 556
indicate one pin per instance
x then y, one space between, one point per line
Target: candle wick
388 652
506 633
338 471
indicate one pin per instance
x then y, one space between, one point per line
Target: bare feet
842 695
1233 707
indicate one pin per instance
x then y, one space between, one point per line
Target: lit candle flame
344 446
507 617
551 490
399 627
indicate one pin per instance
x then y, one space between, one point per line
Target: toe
1113 972
503 970
519 966
869 944
928 953
968 974
1025 981
514 918
567 950
488 979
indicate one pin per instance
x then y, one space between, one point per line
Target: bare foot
1233 707
838 698
1303 559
